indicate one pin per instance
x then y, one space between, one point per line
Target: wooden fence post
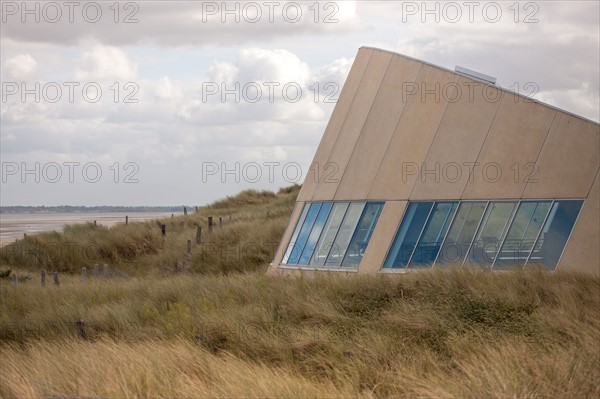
96 270
126 219
198 234
184 211
83 274
94 223
105 270
43 278
210 223
15 280
55 276
80 328
220 222
189 246
163 229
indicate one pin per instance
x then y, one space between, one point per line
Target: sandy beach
14 225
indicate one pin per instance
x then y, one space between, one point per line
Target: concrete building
422 167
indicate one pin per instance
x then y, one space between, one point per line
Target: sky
185 102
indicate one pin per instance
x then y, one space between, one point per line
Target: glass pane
522 233
315 233
554 235
461 233
362 235
434 233
340 245
491 233
290 246
331 228
304 231
408 234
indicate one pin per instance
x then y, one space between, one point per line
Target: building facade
422 167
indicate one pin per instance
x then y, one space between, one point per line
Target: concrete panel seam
541 149
364 123
462 194
592 186
387 148
437 130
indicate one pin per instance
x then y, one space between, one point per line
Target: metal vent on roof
476 75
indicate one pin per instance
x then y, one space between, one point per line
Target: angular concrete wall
406 130
582 252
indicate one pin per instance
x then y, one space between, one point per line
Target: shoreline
14 225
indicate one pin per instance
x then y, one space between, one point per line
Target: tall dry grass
447 333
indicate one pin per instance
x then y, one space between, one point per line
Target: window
553 237
344 234
331 228
332 234
461 233
495 233
302 237
523 232
315 233
362 235
434 233
491 233
408 234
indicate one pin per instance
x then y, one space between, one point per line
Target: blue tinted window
344 234
434 233
290 246
311 215
461 233
406 238
491 232
336 215
555 233
522 233
315 233
362 235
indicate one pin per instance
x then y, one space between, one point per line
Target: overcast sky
134 103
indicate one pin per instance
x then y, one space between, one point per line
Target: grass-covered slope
452 333
253 222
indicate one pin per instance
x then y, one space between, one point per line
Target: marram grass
450 333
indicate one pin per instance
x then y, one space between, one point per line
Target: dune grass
213 324
447 333
253 222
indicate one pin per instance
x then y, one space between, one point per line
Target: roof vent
475 75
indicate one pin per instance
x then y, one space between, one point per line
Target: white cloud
105 63
21 67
